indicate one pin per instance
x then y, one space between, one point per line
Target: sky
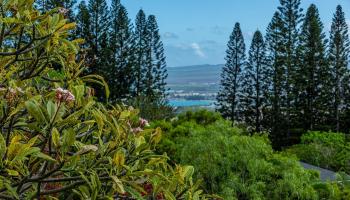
195 32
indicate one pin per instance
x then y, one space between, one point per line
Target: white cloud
170 35
197 50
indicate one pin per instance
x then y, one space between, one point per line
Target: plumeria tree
56 141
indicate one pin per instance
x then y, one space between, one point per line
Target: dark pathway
325 175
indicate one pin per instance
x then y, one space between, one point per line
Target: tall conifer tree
99 19
156 60
291 17
141 48
120 74
275 49
255 84
99 53
231 75
83 24
338 56
314 73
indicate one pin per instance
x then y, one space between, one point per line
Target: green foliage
235 165
56 140
324 149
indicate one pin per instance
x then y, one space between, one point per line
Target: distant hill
197 74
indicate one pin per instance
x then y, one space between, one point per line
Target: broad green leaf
34 110
135 194
188 171
11 190
68 137
2 146
169 196
51 109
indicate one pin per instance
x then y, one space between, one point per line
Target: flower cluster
141 124
64 95
11 93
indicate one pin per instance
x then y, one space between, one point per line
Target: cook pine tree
141 48
83 23
275 48
150 63
255 84
121 37
228 96
155 70
338 56
314 74
98 44
291 17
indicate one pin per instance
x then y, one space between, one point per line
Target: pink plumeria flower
144 123
64 95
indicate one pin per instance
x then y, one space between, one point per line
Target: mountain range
195 74
202 79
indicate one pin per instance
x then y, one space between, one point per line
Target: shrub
325 149
233 164
56 141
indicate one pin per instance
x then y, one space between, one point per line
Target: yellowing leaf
139 141
125 114
118 185
45 157
13 146
119 159
86 149
55 137
157 136
12 172
68 26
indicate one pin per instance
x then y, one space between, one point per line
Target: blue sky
196 31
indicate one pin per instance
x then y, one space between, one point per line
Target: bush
325 149
60 143
235 165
